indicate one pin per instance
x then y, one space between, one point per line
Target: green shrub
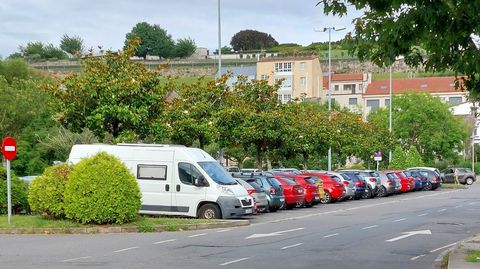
45 194
19 193
102 190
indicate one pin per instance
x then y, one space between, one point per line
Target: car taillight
272 190
372 179
250 191
359 183
346 182
390 182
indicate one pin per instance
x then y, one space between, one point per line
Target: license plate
248 211
282 200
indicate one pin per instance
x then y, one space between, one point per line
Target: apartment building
377 94
302 76
347 89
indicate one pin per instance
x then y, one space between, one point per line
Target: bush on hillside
19 193
102 190
45 194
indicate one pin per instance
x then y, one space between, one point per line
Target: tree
39 51
413 158
185 47
153 40
439 35
398 159
423 121
72 45
112 96
252 40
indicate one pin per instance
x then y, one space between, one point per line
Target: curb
127 229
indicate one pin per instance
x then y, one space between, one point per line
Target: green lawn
453 186
473 256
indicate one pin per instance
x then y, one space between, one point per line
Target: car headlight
225 190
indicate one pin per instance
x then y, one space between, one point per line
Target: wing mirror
200 182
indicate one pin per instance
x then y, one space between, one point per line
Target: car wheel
209 211
428 187
271 208
290 206
327 198
308 205
367 194
469 181
382 192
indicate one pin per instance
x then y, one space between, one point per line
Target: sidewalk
458 255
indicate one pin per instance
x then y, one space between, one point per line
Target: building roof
291 59
406 85
244 70
343 77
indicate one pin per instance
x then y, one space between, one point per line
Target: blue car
359 182
419 180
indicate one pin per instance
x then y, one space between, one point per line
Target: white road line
234 261
472 203
441 210
76 259
397 220
292 246
458 206
416 257
164 241
125 249
197 235
447 246
330 235
421 215
224 230
369 227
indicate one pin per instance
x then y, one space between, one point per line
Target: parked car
310 189
464 175
272 188
256 192
406 182
330 189
361 189
419 180
390 184
433 169
434 179
349 188
373 181
249 170
284 171
292 191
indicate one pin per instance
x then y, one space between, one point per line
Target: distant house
302 76
347 89
248 71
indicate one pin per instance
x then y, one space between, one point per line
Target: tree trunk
259 157
305 160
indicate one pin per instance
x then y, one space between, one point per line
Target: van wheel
209 211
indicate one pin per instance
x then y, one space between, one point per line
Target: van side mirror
200 182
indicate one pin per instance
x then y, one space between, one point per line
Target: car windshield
391 176
464 170
274 182
337 179
374 174
217 173
254 184
289 181
346 177
402 174
408 173
310 180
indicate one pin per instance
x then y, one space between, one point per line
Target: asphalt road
402 231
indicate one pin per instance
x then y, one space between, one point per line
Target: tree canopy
252 40
154 40
185 47
439 35
72 45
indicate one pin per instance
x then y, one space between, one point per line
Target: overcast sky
105 22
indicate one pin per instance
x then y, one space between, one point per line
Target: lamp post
219 42
329 29
390 113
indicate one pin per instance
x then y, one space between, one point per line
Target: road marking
447 246
164 241
234 261
472 203
197 235
330 235
292 246
416 257
408 234
458 206
125 249
273 234
441 210
421 215
397 220
224 230
75 259
369 227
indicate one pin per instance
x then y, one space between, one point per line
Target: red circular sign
9 148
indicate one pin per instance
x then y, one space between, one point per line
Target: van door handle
178 187
167 187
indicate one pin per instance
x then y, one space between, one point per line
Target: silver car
349 188
373 181
390 184
257 193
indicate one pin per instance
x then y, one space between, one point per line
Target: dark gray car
464 175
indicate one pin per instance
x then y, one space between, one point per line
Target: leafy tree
398 159
153 40
439 35
72 45
15 69
252 40
19 193
50 52
112 95
225 50
413 158
185 47
40 51
423 121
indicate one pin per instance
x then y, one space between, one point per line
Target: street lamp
329 29
390 113
219 42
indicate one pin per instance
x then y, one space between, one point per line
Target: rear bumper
294 199
277 201
336 193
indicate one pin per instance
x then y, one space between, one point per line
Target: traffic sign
9 148
377 156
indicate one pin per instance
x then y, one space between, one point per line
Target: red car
333 190
292 191
312 197
407 183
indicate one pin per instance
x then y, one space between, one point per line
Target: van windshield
217 173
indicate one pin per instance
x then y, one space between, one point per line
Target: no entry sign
9 148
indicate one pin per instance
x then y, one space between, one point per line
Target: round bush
45 194
102 190
19 193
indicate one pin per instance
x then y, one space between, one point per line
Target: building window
303 81
360 87
349 87
336 87
287 98
387 102
352 101
153 172
373 104
455 100
302 65
286 83
264 77
283 67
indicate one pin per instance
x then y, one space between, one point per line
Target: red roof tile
343 77
399 86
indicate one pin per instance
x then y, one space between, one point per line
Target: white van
176 180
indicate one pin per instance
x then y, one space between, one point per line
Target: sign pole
378 162
9 193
